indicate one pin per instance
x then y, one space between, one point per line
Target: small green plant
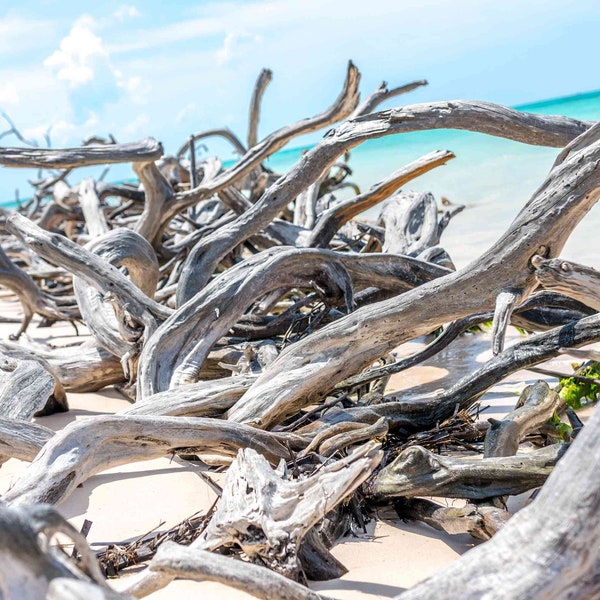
481 328
577 393
563 430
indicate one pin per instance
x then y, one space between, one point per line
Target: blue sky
167 69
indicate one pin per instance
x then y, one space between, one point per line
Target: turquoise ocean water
493 177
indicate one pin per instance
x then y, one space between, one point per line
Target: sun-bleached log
410 222
32 299
95 220
91 268
569 278
83 368
535 406
482 522
183 562
69 158
157 194
174 354
357 340
84 448
22 440
27 389
419 472
202 399
107 322
267 513
339 214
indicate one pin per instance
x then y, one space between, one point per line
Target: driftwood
187 563
571 279
27 390
267 515
83 368
482 522
33 300
50 158
84 448
536 405
546 547
28 563
250 317
503 269
418 472
22 440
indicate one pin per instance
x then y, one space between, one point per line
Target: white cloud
187 111
137 127
126 11
19 34
235 44
79 53
62 131
179 31
9 93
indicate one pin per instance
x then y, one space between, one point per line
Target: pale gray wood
107 321
84 448
506 302
175 353
482 522
26 388
32 299
334 217
410 222
264 78
88 266
535 406
267 513
22 440
202 399
95 220
199 565
418 472
28 563
357 340
158 193
569 278
50 158
474 116
383 93
339 110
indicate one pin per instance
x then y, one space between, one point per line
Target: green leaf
577 393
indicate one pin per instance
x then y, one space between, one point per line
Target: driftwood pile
250 317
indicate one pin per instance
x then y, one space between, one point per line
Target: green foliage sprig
575 392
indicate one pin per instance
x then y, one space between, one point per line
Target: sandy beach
127 502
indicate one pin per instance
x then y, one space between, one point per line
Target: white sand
126 502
